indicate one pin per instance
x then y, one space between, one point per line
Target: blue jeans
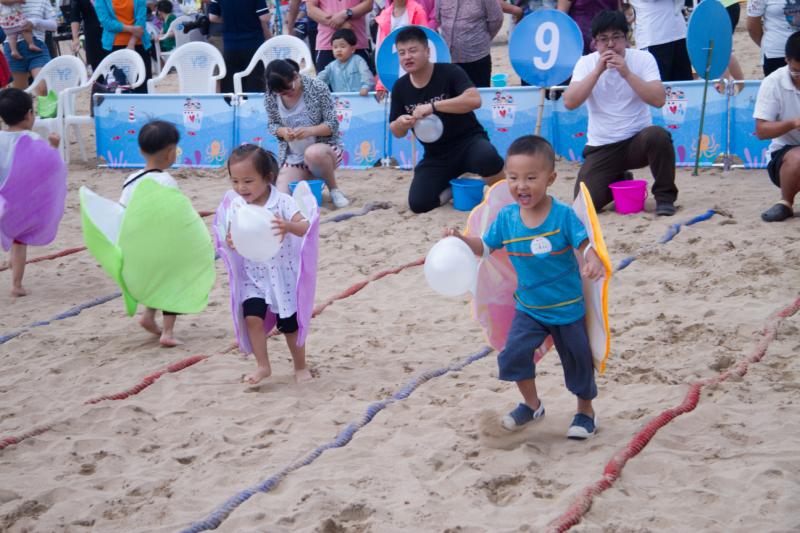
30 60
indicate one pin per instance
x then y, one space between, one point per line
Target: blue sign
544 47
388 62
709 30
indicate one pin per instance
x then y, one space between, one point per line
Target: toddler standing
539 234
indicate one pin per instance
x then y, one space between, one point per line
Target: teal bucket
499 80
467 193
314 185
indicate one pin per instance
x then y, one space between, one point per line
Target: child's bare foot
303 375
17 55
33 48
168 341
263 372
149 323
18 292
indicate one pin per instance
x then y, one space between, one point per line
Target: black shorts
775 162
258 307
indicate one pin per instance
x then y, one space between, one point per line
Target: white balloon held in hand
253 234
451 268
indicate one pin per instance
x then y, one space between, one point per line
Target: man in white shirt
618 84
777 114
661 30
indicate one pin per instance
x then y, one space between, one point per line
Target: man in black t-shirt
245 26
445 90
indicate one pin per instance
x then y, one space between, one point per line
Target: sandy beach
172 454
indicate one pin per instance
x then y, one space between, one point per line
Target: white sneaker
339 199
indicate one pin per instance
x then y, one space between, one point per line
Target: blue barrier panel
746 149
569 130
362 129
205 123
251 123
681 117
510 112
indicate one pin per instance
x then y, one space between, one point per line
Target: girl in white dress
270 285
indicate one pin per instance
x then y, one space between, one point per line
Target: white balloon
253 234
451 268
429 129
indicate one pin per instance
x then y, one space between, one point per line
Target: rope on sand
70 251
369 206
345 436
149 380
673 230
75 311
583 502
8 441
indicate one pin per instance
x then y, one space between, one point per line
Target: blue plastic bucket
314 185
467 193
499 80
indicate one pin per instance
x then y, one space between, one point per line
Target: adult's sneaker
339 199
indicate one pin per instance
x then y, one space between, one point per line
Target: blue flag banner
746 149
252 122
569 130
510 112
205 124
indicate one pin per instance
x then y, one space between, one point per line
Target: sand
436 461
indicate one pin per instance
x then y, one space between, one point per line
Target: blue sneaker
582 427
521 415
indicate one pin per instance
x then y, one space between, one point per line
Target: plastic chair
129 62
154 35
195 64
59 75
278 47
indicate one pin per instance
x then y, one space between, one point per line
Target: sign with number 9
544 47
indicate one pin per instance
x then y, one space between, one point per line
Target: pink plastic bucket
629 196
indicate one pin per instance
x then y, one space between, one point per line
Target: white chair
195 64
129 62
278 47
59 75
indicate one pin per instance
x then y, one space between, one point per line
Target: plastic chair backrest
62 73
177 28
129 61
286 47
196 63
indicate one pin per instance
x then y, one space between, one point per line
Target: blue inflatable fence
211 125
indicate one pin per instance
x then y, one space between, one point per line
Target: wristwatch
349 13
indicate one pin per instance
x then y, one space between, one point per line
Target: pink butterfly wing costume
307 272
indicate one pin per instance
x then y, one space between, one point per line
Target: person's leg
322 161
323 58
255 82
290 174
19 254
12 45
663 56
572 344
288 326
681 64
255 311
602 166
168 339
27 36
772 64
516 364
653 146
19 68
148 321
480 71
784 171
232 63
481 157
431 177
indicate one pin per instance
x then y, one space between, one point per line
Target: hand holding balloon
475 243
252 233
297 226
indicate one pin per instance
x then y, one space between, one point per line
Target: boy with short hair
16 110
349 73
164 12
539 233
158 143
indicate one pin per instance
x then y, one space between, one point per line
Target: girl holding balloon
269 276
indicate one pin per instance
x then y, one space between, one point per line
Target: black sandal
777 213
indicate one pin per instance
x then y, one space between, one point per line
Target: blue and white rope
345 436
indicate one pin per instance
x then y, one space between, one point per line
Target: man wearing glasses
618 84
777 114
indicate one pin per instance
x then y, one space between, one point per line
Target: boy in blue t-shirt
539 234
